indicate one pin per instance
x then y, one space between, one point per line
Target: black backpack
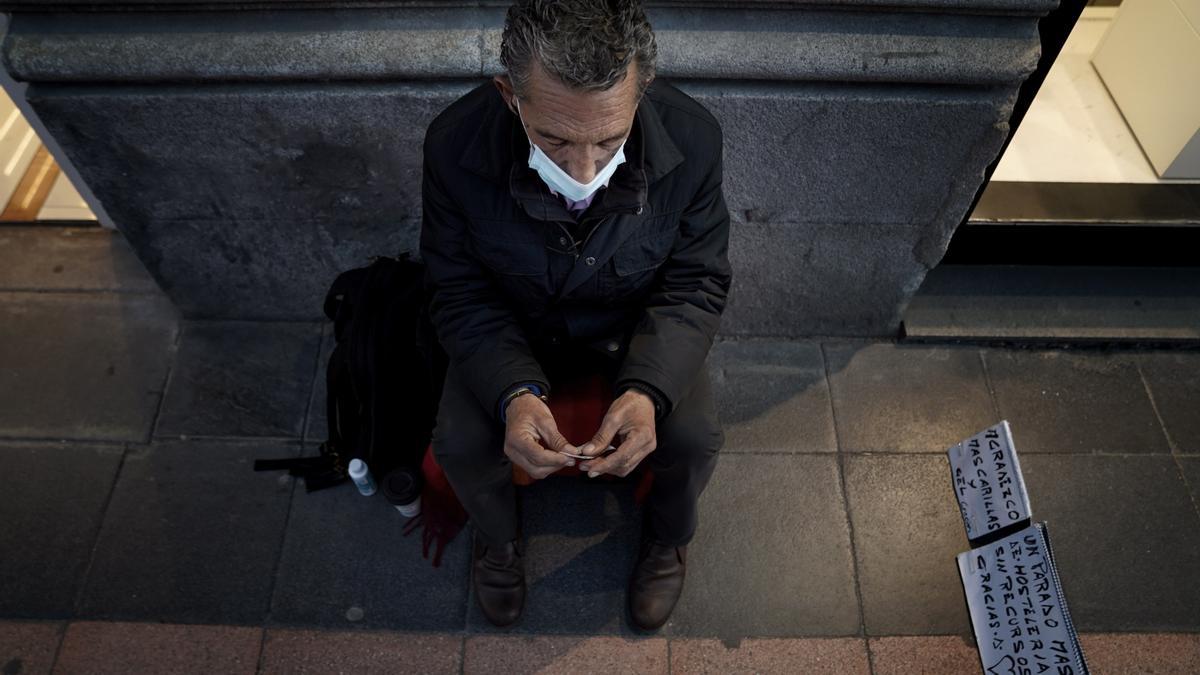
384 378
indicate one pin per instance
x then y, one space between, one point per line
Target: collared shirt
577 208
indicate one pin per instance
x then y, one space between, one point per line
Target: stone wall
250 152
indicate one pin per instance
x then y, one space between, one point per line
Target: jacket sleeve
475 326
673 337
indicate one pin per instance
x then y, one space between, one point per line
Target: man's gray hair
586 44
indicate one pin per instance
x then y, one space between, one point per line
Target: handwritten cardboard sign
988 483
1018 610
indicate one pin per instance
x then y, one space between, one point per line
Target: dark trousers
469 444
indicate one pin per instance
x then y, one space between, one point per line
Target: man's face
580 131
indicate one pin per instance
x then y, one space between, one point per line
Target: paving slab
235 378
192 534
1086 401
835 656
1126 539
1157 653
904 398
772 396
345 564
565 655
1174 380
581 542
52 497
87 366
912 655
70 258
323 652
103 648
771 557
907 530
28 648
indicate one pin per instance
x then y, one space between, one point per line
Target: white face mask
560 181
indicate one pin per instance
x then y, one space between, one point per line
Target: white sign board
988 483
1017 607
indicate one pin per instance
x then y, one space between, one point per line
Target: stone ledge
264 46
963 6
437 43
334 175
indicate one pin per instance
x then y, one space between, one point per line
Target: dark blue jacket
642 276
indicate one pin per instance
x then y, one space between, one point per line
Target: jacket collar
491 152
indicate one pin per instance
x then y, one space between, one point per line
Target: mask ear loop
517 103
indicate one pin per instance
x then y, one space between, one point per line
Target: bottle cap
402 486
358 468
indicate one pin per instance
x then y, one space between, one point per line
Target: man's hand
631 420
531 439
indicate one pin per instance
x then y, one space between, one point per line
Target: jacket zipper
574 249
588 236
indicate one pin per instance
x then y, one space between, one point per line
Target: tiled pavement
135 538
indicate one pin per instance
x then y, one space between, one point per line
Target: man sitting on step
574 223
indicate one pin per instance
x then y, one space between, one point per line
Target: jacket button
562 240
640 209
612 346
589 260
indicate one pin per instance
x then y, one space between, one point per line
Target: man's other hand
531 439
630 419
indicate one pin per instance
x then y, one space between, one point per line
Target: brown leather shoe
499 580
656 584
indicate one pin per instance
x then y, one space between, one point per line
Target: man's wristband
521 390
651 392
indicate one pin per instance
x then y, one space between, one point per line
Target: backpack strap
324 470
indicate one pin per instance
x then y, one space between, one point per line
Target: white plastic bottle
362 477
